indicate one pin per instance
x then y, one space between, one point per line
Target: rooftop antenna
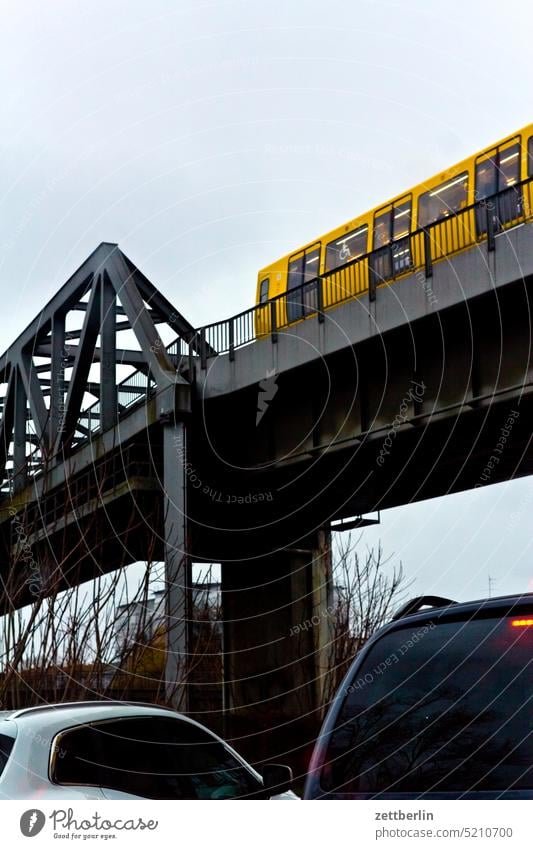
491 582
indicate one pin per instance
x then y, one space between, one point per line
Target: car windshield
156 758
438 708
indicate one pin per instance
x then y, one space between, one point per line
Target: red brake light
522 623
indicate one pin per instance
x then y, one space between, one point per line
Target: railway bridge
126 430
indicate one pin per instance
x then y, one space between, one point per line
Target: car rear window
6 744
438 708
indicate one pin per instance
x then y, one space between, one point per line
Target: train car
444 215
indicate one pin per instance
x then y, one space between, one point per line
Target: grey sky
209 138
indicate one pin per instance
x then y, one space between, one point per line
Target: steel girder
47 407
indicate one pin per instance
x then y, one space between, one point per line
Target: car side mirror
277 778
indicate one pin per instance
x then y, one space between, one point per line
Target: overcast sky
209 138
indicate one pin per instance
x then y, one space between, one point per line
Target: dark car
439 704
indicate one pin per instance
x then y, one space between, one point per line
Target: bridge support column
277 625
177 564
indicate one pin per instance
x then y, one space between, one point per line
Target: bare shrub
367 590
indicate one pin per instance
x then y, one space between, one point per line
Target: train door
528 173
497 179
391 240
262 315
302 281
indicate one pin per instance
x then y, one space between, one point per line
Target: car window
157 758
6 744
443 708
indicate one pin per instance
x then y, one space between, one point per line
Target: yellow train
451 212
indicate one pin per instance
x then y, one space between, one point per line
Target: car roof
443 608
85 711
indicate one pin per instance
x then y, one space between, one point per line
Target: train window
348 247
382 229
401 220
295 277
311 264
498 171
486 178
443 200
392 224
263 291
530 157
509 167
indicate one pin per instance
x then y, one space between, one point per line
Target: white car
121 750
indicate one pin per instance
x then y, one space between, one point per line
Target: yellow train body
442 216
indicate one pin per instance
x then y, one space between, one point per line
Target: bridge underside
436 407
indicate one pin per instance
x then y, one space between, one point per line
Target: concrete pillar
177 564
277 629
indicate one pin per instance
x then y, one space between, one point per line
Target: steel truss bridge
124 429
